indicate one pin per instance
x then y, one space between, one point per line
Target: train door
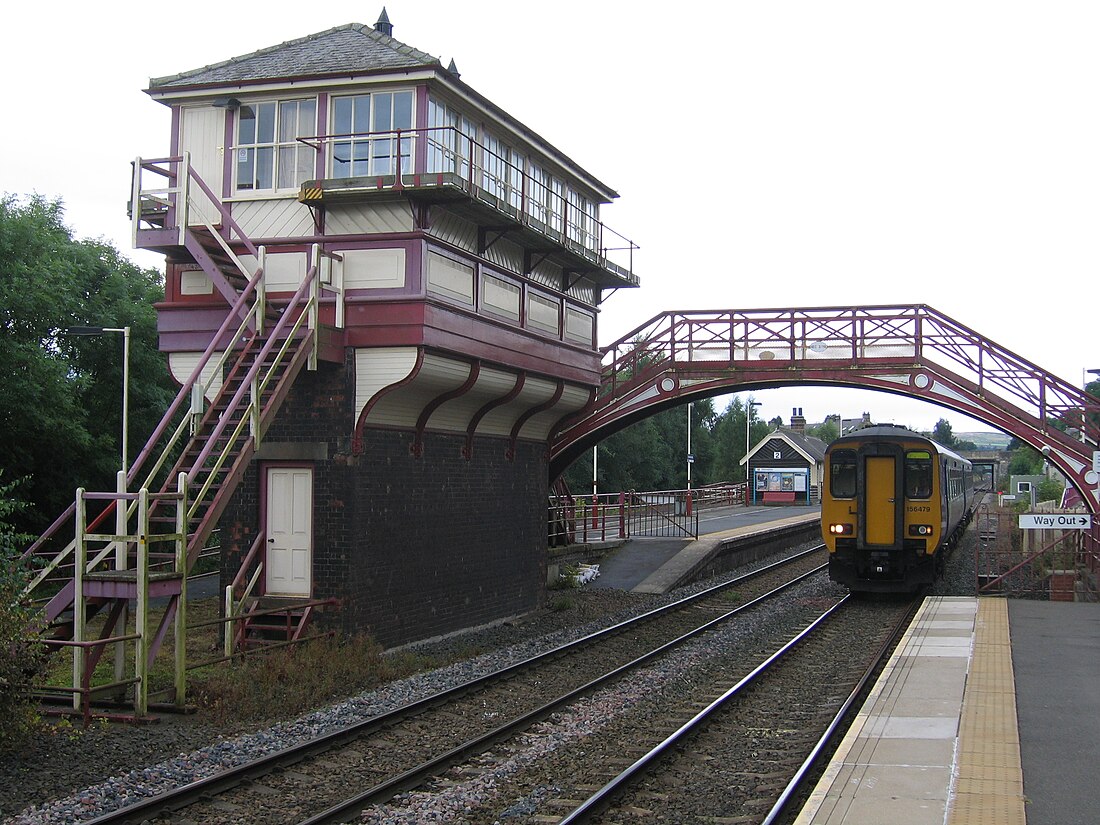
881 496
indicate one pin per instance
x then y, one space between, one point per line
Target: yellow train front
894 502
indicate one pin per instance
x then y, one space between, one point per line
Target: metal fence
1054 564
630 514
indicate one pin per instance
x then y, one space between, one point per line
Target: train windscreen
842 474
918 474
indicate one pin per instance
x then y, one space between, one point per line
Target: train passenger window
842 474
918 474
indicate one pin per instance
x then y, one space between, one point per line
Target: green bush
21 652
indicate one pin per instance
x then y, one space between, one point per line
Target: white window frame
282 148
377 146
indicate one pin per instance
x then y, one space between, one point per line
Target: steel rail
416 776
817 753
600 800
178 798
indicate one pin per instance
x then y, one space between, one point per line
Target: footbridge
913 351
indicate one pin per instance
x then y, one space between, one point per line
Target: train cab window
918 474
842 474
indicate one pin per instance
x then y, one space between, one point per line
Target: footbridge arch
911 350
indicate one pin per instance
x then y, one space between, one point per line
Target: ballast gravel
72 776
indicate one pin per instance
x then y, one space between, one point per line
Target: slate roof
350 49
813 449
808 444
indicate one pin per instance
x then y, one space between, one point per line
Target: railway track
742 757
396 751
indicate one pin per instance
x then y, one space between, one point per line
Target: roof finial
453 69
383 26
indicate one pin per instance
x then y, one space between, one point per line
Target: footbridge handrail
916 333
911 350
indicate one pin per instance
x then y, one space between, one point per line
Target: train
893 504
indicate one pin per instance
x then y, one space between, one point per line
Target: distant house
786 466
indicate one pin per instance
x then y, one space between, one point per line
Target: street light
690 457
121 484
92 331
748 421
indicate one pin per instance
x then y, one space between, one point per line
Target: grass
251 690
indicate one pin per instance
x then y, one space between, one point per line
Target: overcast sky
766 153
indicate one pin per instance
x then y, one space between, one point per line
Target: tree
61 400
943 434
828 431
651 454
729 441
24 654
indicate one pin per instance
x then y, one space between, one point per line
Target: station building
457 262
786 466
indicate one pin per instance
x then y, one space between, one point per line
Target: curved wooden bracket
417 448
510 453
468 447
361 422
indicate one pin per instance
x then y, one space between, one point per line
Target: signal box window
918 474
367 125
842 474
269 156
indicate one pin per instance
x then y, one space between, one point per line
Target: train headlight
841 529
920 529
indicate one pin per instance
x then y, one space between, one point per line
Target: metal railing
244 318
845 334
445 156
1054 564
630 514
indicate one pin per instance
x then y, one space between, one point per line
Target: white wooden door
289 531
202 133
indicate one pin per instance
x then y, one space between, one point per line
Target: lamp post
121 484
92 331
749 406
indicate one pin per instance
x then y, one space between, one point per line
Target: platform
938 739
660 565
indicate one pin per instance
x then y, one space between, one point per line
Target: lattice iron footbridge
912 350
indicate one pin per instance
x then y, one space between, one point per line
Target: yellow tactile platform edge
989 783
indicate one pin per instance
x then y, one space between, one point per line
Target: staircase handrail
227 217
184 392
246 382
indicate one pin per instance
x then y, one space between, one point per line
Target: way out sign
1055 521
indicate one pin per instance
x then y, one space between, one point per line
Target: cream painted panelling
500 420
374 268
454 230
360 219
455 415
182 364
579 326
402 406
283 272
542 314
450 278
195 282
500 296
379 367
273 218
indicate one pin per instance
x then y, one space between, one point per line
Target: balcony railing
444 156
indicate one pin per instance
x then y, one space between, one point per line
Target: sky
766 154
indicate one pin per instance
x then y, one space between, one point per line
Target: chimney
383 26
798 422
